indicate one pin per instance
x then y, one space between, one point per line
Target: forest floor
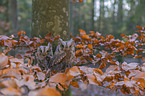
93 90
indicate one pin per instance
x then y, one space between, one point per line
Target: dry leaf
48 92
74 84
58 78
41 76
3 61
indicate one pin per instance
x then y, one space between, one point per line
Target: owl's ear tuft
49 44
60 39
72 41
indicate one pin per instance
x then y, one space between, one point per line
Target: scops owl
44 55
64 56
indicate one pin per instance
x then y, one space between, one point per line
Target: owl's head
66 45
45 50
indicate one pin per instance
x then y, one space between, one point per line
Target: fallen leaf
58 78
3 61
48 92
74 84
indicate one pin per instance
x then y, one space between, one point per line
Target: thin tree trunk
14 15
101 16
92 16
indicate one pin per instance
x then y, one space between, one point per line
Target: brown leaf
81 1
129 66
20 33
103 63
58 78
41 76
78 53
143 59
10 91
14 42
80 46
19 56
82 32
90 46
86 37
9 83
74 84
139 27
27 80
11 72
3 61
99 71
74 71
98 55
92 80
48 92
56 37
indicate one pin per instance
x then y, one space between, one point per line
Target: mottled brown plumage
63 57
44 55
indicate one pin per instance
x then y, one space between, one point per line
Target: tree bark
14 16
50 16
92 15
101 16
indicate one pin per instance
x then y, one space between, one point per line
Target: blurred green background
105 16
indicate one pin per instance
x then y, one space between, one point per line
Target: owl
44 55
64 56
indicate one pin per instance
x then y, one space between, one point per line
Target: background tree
13 16
50 16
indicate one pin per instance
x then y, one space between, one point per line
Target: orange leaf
85 37
92 79
98 55
99 71
78 53
48 36
18 56
139 27
103 63
14 42
56 37
122 35
12 72
81 1
90 46
42 41
48 92
80 46
20 33
58 78
74 71
82 32
74 84
143 59
10 91
3 61
96 41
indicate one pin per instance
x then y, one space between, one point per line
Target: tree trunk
120 11
14 15
50 16
92 15
101 16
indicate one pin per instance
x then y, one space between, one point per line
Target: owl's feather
44 55
63 57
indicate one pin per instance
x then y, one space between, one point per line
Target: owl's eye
40 50
48 50
62 45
